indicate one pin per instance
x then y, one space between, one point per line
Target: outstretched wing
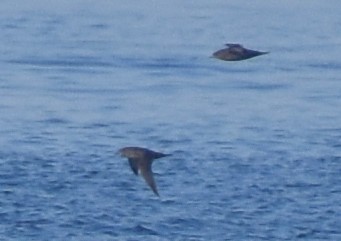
146 172
134 166
237 50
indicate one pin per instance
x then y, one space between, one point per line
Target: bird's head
131 152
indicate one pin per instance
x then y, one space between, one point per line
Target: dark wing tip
147 174
233 45
156 192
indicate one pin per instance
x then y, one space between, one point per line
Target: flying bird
236 52
140 160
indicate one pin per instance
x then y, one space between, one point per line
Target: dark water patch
101 125
319 98
143 230
190 223
302 185
89 62
15 23
82 90
259 86
325 65
100 26
287 69
152 63
163 63
316 233
55 121
111 107
241 168
221 143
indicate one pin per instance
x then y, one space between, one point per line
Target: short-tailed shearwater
235 52
140 160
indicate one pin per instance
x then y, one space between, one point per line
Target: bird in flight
140 160
236 52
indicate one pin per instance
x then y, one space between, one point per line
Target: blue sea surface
255 144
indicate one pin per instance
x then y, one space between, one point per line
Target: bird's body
140 160
236 52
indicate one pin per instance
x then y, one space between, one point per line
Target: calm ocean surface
256 144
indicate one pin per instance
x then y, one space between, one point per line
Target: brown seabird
235 52
140 160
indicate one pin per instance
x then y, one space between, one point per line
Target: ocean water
256 144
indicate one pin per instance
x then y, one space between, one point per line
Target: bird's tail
159 155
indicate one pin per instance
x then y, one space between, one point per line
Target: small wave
140 229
